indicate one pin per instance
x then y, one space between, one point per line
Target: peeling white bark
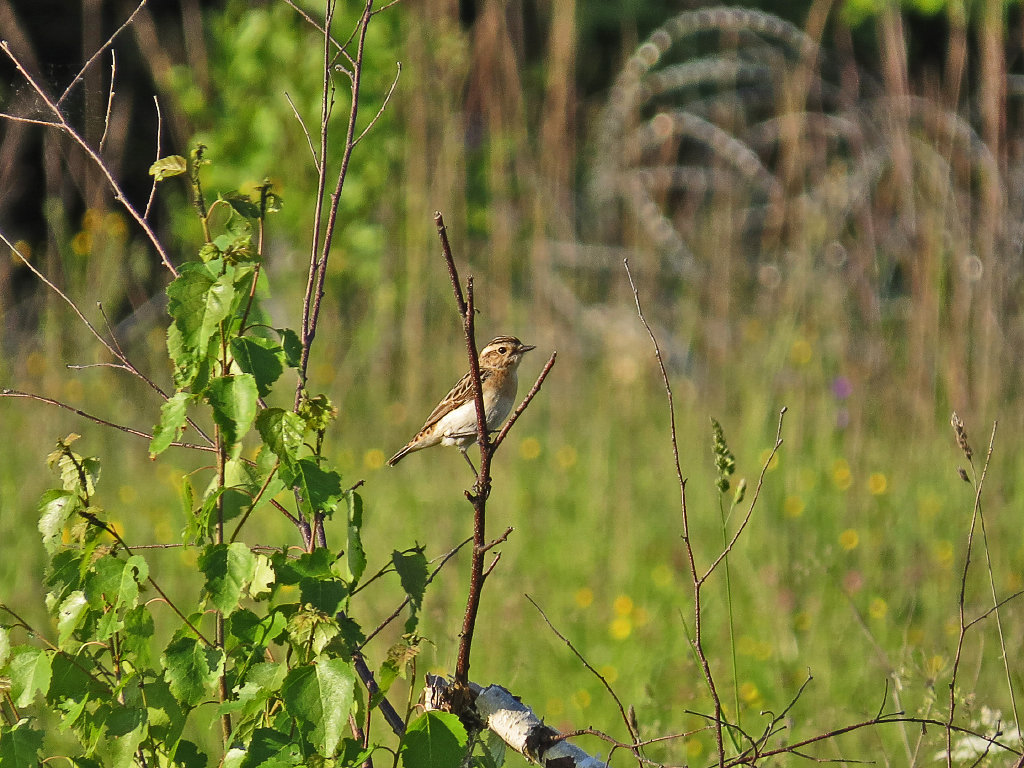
516 724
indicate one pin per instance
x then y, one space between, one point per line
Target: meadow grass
849 570
873 299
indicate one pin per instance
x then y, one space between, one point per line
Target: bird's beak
526 348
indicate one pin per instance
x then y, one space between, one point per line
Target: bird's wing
458 395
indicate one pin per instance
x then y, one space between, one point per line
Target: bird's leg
468 460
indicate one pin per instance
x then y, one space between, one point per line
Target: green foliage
434 739
268 637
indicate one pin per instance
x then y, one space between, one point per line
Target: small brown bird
453 421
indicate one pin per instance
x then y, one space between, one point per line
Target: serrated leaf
55 507
115 582
263 578
70 615
282 431
412 572
227 567
269 748
292 347
198 300
172 423
234 403
78 474
124 729
250 629
243 205
188 755
310 630
164 713
433 740
30 671
320 490
354 558
166 167
263 358
324 594
138 631
70 685
319 697
20 745
191 669
313 565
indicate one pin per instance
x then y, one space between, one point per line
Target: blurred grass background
822 212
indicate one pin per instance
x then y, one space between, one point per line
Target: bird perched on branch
453 421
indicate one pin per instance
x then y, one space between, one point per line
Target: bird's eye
502 350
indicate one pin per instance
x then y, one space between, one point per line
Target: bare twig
395 614
159 154
110 100
305 130
96 419
634 748
526 401
696 579
94 156
383 105
99 52
961 602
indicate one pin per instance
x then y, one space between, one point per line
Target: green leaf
115 582
124 729
354 560
263 358
313 565
172 423
191 669
282 431
250 629
320 490
20 745
138 631
243 205
271 749
55 507
166 167
188 755
310 631
70 615
320 697
78 474
229 231
198 300
5 646
263 578
412 571
292 347
324 594
30 673
233 399
164 713
434 740
318 412
70 684
227 567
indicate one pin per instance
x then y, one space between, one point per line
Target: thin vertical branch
962 600
697 581
318 264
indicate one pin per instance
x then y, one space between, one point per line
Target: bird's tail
399 456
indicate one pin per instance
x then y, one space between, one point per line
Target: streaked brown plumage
453 421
